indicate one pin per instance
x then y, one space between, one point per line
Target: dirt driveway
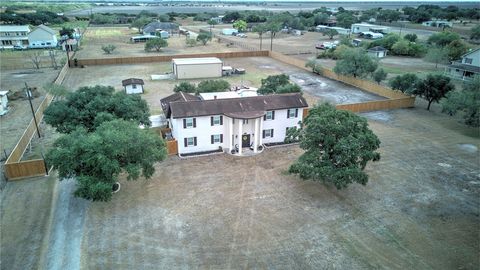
420 209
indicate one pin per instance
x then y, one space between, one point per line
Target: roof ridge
238 98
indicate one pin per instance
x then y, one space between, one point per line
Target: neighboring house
229 31
371 35
340 30
3 102
217 19
133 86
142 38
155 27
196 68
366 27
467 67
377 51
42 37
438 23
14 35
231 124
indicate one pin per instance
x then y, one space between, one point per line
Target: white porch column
260 132
240 126
255 137
230 135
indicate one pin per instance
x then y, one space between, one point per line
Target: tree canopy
433 88
89 107
204 37
185 87
96 159
437 55
208 86
355 62
405 83
155 44
338 145
379 75
466 102
278 84
240 25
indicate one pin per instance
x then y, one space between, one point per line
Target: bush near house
208 86
278 84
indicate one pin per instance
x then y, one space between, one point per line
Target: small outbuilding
377 51
229 31
3 102
197 68
133 86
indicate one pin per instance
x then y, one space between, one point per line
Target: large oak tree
338 145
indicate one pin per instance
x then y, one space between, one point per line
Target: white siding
202 131
280 124
475 56
197 71
130 90
39 36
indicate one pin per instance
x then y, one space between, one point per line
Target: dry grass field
418 211
13 124
96 37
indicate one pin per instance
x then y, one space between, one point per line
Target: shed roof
46 29
196 61
244 107
377 49
14 28
132 81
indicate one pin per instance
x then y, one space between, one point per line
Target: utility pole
67 47
29 95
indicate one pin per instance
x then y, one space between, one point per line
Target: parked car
19 47
325 45
242 35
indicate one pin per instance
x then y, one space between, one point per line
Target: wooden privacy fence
396 100
161 58
14 167
172 147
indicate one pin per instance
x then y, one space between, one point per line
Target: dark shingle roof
180 96
132 81
377 49
242 107
470 68
153 26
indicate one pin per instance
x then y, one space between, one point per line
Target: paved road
65 241
419 32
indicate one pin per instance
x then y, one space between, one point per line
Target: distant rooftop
14 28
196 61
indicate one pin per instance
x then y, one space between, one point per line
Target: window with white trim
189 122
245 121
134 86
216 120
190 141
216 138
268 133
291 113
269 115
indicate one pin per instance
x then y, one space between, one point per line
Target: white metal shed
196 68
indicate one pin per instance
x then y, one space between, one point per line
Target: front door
246 140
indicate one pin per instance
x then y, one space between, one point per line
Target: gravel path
67 229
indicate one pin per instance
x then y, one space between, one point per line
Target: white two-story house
467 67
14 35
232 125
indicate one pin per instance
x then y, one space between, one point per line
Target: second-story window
270 115
189 123
216 120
